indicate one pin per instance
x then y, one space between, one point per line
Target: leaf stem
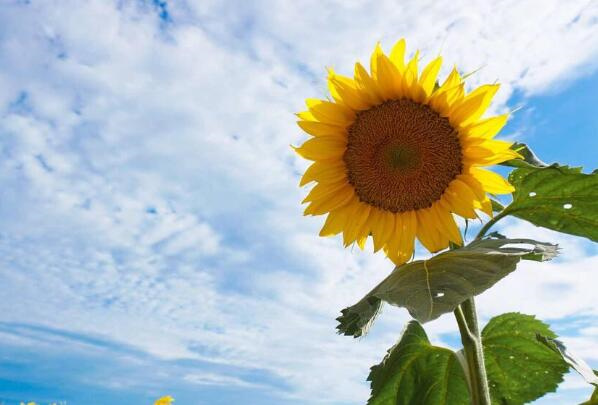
474 352
490 223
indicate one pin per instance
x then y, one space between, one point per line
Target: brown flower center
401 155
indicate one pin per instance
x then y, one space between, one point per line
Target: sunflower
167 400
395 154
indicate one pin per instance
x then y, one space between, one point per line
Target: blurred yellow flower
167 400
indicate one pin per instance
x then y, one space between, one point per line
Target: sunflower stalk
467 320
474 353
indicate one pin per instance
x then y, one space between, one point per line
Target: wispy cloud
149 192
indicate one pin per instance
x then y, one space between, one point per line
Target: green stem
471 337
490 223
474 353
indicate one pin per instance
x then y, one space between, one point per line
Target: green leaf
529 158
593 400
571 359
415 372
356 320
496 206
430 288
520 368
558 198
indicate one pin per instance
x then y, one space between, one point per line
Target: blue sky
151 237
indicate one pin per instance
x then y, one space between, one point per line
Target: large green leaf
556 197
415 372
430 288
520 368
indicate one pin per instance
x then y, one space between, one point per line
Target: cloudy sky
151 237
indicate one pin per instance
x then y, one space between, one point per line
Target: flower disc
401 155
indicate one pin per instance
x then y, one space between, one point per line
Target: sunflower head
395 154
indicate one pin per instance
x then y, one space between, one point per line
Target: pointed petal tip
303 181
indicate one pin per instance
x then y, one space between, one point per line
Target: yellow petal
489 153
493 159
316 128
426 231
411 71
467 141
439 103
388 77
345 91
382 229
374 61
450 83
460 199
360 215
411 87
429 75
322 147
397 55
471 107
367 84
365 229
478 190
330 113
306 116
450 91
330 202
361 240
409 226
487 207
455 94
487 128
393 244
324 171
447 222
332 89
470 194
321 190
492 182
464 109
337 219
376 225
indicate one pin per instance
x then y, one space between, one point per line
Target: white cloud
148 183
216 379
